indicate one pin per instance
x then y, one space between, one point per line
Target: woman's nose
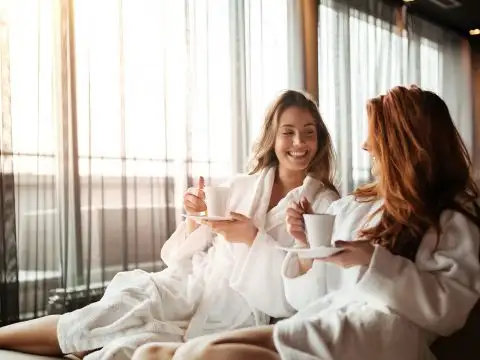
298 139
365 146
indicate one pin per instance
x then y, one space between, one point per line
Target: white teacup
216 198
319 229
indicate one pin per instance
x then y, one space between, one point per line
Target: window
153 92
360 57
31 72
266 35
153 82
172 60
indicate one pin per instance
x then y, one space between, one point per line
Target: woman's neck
288 179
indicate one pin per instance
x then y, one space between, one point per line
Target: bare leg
38 336
252 344
156 351
237 352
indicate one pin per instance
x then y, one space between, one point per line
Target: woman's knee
154 351
234 351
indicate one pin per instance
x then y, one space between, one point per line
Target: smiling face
296 139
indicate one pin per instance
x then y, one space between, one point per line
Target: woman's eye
288 133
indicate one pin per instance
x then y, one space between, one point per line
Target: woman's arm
439 290
189 237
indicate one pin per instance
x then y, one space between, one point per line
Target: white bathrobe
210 285
394 309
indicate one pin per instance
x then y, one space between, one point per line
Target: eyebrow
292 126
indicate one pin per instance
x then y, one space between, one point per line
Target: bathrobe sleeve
301 290
257 273
438 291
180 246
261 269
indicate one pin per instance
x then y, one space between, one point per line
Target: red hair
424 167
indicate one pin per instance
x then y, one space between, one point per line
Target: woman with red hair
409 271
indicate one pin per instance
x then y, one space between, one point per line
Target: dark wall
476 98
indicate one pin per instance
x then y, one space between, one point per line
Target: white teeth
297 154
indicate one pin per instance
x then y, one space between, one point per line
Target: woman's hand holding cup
296 228
194 198
194 203
295 222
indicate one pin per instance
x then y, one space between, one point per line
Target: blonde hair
322 167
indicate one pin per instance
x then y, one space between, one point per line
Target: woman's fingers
306 206
294 221
192 198
296 207
296 229
193 203
295 224
198 192
201 185
293 213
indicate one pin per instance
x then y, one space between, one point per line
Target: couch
11 355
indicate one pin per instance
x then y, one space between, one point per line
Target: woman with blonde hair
221 275
408 270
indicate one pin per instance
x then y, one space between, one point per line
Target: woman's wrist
191 226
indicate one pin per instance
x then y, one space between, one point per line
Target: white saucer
311 253
207 218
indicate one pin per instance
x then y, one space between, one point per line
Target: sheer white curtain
362 54
272 60
116 107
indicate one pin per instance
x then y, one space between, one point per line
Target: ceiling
461 19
